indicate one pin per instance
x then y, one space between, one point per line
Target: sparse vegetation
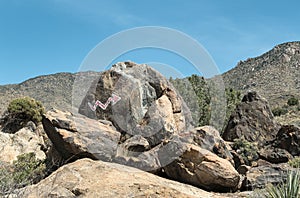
279 111
289 189
26 170
293 101
233 98
20 111
295 162
196 92
26 109
247 150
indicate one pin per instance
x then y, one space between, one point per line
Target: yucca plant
289 189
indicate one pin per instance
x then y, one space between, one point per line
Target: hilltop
275 74
54 91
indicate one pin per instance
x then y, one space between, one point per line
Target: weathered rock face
207 137
288 138
204 169
252 120
274 155
149 105
260 176
23 141
77 136
87 178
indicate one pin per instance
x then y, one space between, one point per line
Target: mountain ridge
275 75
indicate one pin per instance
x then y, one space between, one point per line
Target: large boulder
26 140
266 173
252 120
151 160
77 136
288 138
204 169
207 137
274 155
87 178
138 101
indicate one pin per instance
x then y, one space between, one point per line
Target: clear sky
40 37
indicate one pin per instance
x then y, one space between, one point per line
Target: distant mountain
275 74
52 90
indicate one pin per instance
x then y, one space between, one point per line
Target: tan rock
204 169
207 137
78 136
87 178
23 141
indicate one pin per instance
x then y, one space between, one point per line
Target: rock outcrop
252 120
25 140
149 105
76 137
87 178
288 138
274 155
267 173
204 169
207 137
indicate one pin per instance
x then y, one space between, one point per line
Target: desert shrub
233 98
26 109
20 111
293 101
288 189
279 111
195 92
198 94
247 150
26 170
295 162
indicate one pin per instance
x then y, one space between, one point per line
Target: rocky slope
275 75
52 90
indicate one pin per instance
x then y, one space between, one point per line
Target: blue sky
43 37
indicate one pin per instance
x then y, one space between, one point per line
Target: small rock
243 169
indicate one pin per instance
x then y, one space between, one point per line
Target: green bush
289 189
280 111
26 170
295 162
26 109
198 93
247 150
233 98
195 92
20 111
293 101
